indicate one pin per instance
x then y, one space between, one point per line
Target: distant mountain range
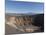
19 14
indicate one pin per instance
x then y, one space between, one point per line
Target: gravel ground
11 30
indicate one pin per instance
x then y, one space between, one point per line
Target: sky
23 7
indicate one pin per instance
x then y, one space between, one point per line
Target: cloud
20 12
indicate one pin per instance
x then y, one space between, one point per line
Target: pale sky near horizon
24 7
